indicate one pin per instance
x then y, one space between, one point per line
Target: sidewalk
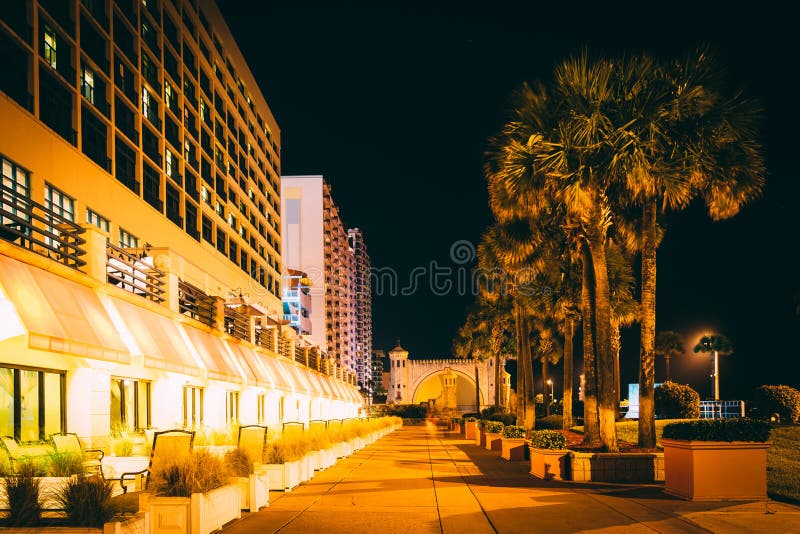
418 479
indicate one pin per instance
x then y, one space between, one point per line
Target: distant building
379 389
363 310
315 242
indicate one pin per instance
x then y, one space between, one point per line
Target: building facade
362 293
315 242
379 388
140 239
297 301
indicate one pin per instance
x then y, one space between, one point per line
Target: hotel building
140 244
315 242
362 294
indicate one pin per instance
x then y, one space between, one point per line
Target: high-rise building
362 293
315 242
297 301
140 226
379 389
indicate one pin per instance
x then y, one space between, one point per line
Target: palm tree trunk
606 396
566 414
497 340
520 384
647 424
615 348
666 363
529 396
545 387
591 423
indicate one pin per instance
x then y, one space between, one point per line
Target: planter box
549 464
493 442
470 429
137 524
480 438
715 470
513 449
254 491
282 477
202 513
615 467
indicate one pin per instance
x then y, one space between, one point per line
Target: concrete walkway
419 479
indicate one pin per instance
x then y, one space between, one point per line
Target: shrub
552 422
32 467
718 430
65 464
239 463
494 427
22 493
475 416
677 401
200 472
548 439
514 431
482 424
505 418
86 501
409 411
781 400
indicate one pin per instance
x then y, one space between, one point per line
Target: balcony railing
196 304
134 273
31 225
265 337
236 324
285 347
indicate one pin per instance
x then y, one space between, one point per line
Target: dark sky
394 105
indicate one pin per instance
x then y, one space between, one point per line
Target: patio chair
317 425
168 445
293 429
68 443
252 440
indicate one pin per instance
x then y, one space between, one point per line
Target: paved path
418 479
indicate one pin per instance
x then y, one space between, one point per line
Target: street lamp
716 344
552 397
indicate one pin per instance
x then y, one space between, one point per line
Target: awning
324 386
303 378
252 364
214 355
157 338
59 315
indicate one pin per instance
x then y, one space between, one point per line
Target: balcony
194 303
237 324
35 227
133 271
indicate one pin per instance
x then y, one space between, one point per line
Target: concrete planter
480 438
493 442
470 429
137 524
513 449
715 470
615 467
549 464
254 491
202 513
283 477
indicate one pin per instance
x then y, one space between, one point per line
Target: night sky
394 107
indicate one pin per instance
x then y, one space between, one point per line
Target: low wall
616 467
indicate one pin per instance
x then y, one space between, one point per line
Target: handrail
195 303
237 324
130 272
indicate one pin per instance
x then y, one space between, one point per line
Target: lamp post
716 344
552 397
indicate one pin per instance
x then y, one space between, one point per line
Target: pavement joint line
469 487
320 496
433 482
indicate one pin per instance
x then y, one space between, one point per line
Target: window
208 230
192 406
62 208
222 240
31 403
97 220
50 46
205 195
87 83
261 412
127 240
232 407
169 96
130 404
16 189
170 165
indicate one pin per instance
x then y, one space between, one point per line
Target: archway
447 390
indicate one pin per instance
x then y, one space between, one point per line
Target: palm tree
677 137
716 344
669 345
548 351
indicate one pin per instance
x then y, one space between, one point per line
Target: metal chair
168 445
293 429
68 443
252 440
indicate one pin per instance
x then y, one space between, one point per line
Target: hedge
514 431
548 439
676 401
781 400
718 430
494 427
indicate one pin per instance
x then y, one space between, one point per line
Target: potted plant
494 434
716 459
470 427
194 495
253 483
548 454
282 461
513 443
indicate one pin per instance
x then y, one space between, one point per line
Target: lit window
62 208
130 404
232 221
15 182
146 103
261 404
87 84
232 407
168 94
97 220
32 403
169 162
50 46
203 110
204 194
192 406
187 150
220 209
127 240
